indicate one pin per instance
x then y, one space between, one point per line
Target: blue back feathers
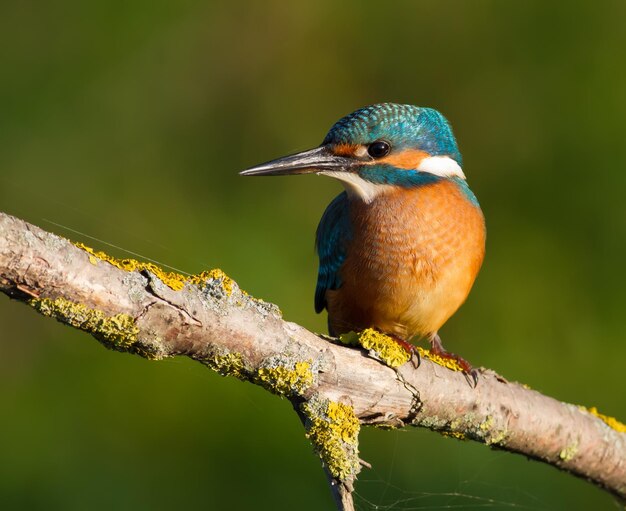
333 234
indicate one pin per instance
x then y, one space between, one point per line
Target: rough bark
136 307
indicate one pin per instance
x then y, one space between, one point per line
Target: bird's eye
378 149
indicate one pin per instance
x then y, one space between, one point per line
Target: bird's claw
472 377
410 349
471 374
415 360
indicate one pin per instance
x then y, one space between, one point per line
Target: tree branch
139 308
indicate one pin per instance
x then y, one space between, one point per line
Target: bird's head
378 147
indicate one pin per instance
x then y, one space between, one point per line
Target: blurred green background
128 121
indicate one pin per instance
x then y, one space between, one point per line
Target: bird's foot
410 349
436 348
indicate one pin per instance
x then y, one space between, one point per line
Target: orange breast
414 256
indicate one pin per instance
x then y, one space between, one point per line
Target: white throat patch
358 187
443 166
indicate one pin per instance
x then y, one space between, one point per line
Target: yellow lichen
496 437
175 281
386 348
454 434
568 453
333 428
466 426
214 274
390 351
450 363
609 421
226 364
487 424
459 422
286 381
118 331
488 432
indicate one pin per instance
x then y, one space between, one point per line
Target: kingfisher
399 249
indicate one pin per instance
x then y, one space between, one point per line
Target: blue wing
333 233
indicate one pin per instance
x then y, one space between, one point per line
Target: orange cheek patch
345 149
407 159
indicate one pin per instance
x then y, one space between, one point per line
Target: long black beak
312 161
